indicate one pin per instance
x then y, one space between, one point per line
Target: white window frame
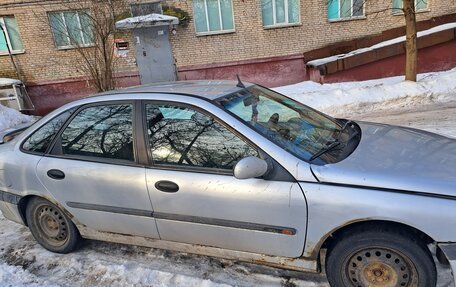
62 17
8 41
286 23
351 17
221 31
398 11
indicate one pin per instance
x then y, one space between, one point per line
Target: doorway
154 55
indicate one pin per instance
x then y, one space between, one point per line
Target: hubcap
52 224
379 267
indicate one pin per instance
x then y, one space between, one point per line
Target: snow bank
386 93
10 118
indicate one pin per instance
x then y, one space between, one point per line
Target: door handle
56 174
166 186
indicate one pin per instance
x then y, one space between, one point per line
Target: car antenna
240 84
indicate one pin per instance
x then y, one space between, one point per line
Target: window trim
62 17
282 25
342 19
215 32
274 16
347 19
8 41
198 169
53 152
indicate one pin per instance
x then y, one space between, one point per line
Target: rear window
40 140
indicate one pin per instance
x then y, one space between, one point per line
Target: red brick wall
270 72
435 58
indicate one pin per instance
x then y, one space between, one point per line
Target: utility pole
10 53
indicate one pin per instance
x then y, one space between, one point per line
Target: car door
197 199
92 170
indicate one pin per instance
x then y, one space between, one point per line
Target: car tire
51 227
383 257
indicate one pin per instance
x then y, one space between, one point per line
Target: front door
197 199
154 55
92 171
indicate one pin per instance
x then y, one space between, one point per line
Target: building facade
266 41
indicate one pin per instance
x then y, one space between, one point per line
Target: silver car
237 171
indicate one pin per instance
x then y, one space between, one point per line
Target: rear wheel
50 227
380 259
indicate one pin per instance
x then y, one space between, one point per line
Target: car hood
397 158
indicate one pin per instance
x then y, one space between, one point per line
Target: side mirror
250 167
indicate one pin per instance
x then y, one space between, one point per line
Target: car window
293 126
101 131
184 137
40 140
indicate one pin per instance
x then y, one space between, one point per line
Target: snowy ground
430 105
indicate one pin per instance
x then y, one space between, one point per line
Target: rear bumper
449 249
9 206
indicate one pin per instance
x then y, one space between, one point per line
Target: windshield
295 127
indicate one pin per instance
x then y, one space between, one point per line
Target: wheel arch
24 201
358 226
349 247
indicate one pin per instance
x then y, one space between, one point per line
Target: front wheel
381 258
50 226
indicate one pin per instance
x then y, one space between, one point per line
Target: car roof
208 89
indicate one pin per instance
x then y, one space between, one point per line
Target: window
345 9
280 12
295 127
13 38
184 137
40 140
71 28
101 132
213 16
419 5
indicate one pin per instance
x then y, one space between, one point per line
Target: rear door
197 199
92 170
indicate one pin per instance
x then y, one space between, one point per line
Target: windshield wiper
335 142
324 150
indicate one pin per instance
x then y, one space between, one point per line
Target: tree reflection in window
181 136
39 141
101 131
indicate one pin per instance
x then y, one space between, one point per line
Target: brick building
266 41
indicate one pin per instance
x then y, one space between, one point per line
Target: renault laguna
238 171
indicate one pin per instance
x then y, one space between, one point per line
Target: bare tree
88 26
408 10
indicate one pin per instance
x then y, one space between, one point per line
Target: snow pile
9 82
10 118
146 21
378 94
433 30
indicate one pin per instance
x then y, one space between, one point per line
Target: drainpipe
10 53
